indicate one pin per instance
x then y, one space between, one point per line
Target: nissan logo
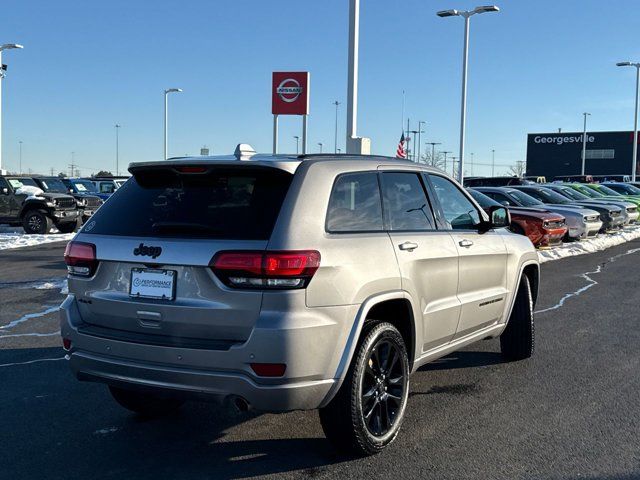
289 90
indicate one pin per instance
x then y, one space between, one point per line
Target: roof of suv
285 162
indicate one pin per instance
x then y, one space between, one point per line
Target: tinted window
16 183
227 203
483 200
84 186
355 205
53 185
405 202
523 199
459 212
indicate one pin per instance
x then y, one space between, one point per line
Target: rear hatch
154 243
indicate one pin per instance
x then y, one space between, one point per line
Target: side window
405 202
3 183
499 197
354 205
106 187
459 212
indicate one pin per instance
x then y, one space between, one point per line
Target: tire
69 227
36 222
518 339
366 388
145 404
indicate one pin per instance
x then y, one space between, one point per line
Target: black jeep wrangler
36 212
87 203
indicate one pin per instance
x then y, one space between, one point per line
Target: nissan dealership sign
290 93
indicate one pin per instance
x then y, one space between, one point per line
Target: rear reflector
259 269
269 369
80 258
66 344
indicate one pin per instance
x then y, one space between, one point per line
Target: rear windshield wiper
178 227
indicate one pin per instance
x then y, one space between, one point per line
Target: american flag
400 152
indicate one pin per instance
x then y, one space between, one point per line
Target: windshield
608 191
624 188
83 186
16 183
482 199
549 196
524 199
53 185
589 192
573 194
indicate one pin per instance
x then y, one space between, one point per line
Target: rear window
226 203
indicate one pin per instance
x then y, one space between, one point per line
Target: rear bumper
310 344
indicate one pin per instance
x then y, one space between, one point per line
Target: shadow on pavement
56 427
464 359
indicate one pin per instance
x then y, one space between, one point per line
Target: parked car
291 282
620 213
574 178
83 186
22 202
87 203
623 188
612 178
494 181
107 185
609 214
542 227
612 194
583 223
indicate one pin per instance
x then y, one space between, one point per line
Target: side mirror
4 191
499 217
505 203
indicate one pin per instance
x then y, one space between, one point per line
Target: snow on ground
601 242
14 237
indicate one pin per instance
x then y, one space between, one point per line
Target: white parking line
52 334
32 361
30 316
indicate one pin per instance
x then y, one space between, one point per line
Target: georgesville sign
290 93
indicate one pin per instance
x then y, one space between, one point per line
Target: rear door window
225 203
355 205
405 202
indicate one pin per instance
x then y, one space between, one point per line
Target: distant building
556 154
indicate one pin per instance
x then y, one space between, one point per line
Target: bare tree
518 169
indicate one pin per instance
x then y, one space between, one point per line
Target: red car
544 228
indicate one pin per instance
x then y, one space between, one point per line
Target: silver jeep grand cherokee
291 282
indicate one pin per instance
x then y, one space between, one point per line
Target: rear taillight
268 270
80 258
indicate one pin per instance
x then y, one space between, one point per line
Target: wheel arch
384 306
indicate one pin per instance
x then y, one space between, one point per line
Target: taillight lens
267 270
80 258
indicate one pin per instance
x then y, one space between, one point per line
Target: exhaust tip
240 404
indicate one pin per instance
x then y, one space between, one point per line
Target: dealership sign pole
584 142
635 117
6 46
290 96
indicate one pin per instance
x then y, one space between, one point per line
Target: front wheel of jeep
366 414
36 222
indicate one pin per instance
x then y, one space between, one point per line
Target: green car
596 190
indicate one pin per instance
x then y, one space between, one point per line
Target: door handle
409 246
465 243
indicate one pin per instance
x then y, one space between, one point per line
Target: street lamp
335 135
584 142
493 162
420 132
117 127
433 152
6 46
445 160
166 118
320 145
297 137
465 60
635 116
20 156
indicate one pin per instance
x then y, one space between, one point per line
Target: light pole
445 160
414 150
471 162
352 81
335 136
635 117
166 118
420 132
453 166
20 156
117 127
320 145
6 46
584 142
297 144
433 152
493 162
465 60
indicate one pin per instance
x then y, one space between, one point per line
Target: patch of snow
14 237
30 316
31 191
32 361
601 242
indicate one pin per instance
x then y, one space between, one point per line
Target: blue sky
535 66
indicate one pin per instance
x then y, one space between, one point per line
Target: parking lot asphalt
571 411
